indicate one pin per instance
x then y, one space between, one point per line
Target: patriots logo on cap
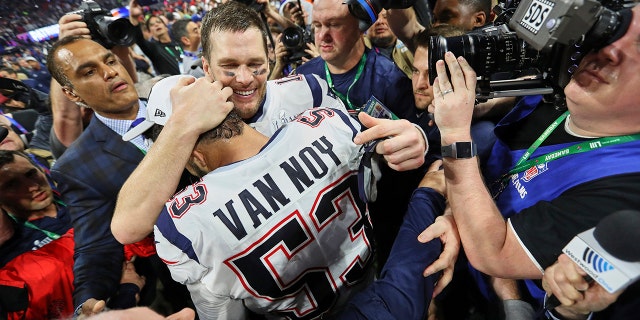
159 113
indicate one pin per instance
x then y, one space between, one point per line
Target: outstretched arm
485 235
67 116
404 24
402 292
158 174
404 143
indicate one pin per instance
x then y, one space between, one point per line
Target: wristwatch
460 150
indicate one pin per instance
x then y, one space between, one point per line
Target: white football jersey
288 97
283 232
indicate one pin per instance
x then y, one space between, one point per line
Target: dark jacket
380 78
89 176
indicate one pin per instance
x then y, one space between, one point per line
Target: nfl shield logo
534 171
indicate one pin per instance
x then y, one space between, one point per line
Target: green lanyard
173 54
49 234
545 134
525 163
582 147
28 224
141 150
342 97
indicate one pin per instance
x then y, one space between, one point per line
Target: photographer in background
30 113
165 55
466 14
292 21
187 34
295 45
285 65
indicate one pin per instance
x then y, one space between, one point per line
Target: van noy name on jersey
253 206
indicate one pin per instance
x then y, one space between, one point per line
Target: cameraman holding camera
294 46
552 173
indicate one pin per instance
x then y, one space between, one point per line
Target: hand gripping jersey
283 232
288 97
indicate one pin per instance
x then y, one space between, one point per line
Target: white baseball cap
158 106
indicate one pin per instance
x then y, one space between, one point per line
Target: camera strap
345 98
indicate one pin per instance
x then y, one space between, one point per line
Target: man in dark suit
93 169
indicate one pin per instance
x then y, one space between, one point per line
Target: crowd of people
214 168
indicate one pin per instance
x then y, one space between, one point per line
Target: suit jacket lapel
113 143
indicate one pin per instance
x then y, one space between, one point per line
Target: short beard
383 42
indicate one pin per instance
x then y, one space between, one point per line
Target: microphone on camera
608 253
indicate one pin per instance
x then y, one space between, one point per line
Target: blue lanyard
15 123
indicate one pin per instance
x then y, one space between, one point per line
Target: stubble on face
422 90
239 61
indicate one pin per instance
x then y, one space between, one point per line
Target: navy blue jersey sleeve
402 292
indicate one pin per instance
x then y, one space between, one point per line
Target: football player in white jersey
275 225
235 56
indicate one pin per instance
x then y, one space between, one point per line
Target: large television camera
105 29
543 38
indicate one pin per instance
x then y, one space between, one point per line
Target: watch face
463 150
460 150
